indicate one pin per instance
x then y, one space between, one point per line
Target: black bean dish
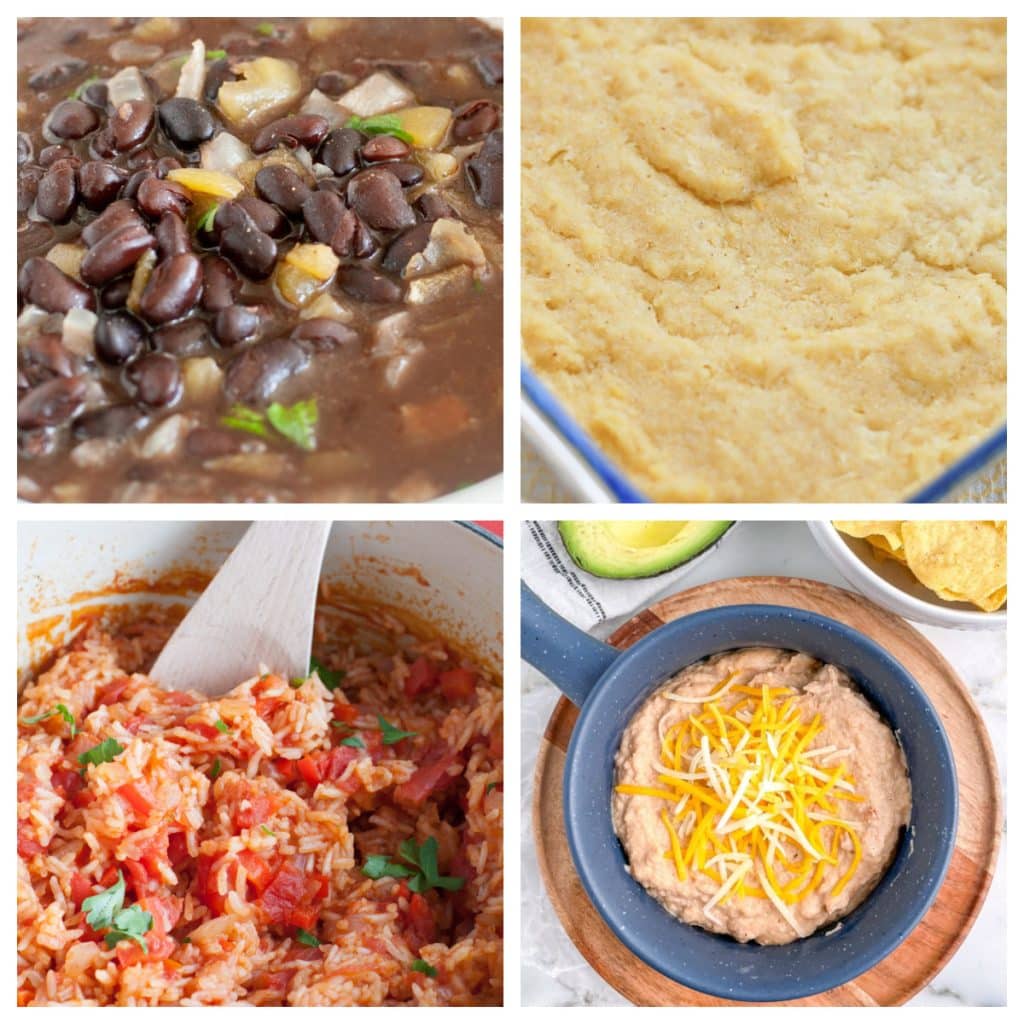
258 261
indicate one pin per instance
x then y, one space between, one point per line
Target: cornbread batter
765 260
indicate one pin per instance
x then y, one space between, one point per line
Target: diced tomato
257 870
286 768
81 889
166 911
419 925
496 742
257 810
159 947
310 770
207 731
134 724
284 894
177 849
138 796
137 876
347 713
178 698
274 981
206 886
66 782
266 706
114 691
429 777
109 877
79 745
374 741
28 845
422 676
458 684
331 764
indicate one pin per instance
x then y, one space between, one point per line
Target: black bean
236 324
115 216
297 130
25 148
156 197
405 246
474 120
47 286
95 94
217 74
376 195
143 160
172 237
102 143
205 443
57 73
186 338
340 150
259 370
331 184
115 253
115 294
49 155
431 206
252 251
134 183
100 183
131 124
368 285
164 165
265 216
281 186
114 421
173 288
186 122
71 119
52 403
406 172
321 334
490 67
334 83
57 195
28 185
383 147
154 379
220 283
119 337
484 171
45 356
323 213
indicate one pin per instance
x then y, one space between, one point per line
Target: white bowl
893 586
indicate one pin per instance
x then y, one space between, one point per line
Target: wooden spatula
257 610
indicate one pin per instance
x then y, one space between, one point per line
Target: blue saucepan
609 686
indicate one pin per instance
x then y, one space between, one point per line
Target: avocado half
631 549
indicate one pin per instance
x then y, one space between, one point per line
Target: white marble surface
553 971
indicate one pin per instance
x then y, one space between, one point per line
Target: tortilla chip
959 560
883 536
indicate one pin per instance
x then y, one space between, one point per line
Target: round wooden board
928 948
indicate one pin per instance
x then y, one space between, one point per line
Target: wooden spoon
257 611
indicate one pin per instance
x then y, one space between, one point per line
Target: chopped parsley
422 874
379 124
296 423
353 741
60 709
424 968
221 726
107 910
267 831
389 734
306 938
215 770
266 29
330 678
216 54
101 753
205 222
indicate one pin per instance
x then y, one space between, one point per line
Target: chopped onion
451 244
193 73
30 321
127 84
320 103
223 153
391 342
131 50
95 453
166 438
78 332
377 95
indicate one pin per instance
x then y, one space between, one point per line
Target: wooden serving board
929 947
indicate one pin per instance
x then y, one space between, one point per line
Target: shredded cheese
749 800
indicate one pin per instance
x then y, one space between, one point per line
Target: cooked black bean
340 150
474 120
154 379
217 74
28 185
134 183
117 215
323 212
321 334
52 403
165 164
368 285
281 186
115 253
46 356
172 237
115 294
156 197
259 370
205 443
119 337
405 246
47 286
484 171
72 119
113 421
56 74
184 339
95 94
490 67
142 160
100 182
57 194
220 283
265 216
25 149
298 130
49 155
252 251
131 124
236 324
431 206
405 171
376 195
186 122
334 83
383 147
173 288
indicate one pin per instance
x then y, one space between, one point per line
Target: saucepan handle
570 658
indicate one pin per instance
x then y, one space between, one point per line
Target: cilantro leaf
60 709
296 422
267 831
101 908
101 753
379 865
336 723
133 920
353 741
265 28
424 968
425 859
222 727
205 223
113 937
215 770
379 124
306 938
241 418
330 679
296 683
390 734
216 54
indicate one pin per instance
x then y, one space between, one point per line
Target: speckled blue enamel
712 963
